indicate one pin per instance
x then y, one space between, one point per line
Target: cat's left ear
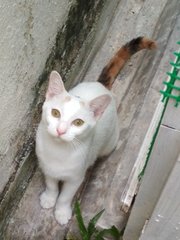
98 105
56 85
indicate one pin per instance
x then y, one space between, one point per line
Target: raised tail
111 70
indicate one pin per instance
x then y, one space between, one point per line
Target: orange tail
111 70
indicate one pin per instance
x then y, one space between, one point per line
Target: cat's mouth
65 138
60 137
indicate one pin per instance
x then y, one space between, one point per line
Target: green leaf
91 230
91 226
99 237
80 221
113 232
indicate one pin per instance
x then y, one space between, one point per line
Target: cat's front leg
49 196
63 211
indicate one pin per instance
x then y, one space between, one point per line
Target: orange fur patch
111 70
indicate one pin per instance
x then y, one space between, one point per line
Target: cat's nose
61 131
61 128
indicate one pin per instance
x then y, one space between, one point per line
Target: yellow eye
55 113
78 122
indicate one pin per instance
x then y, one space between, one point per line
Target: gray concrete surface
164 153
28 32
137 96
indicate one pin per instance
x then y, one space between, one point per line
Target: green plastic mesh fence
172 90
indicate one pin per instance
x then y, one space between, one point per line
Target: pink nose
60 131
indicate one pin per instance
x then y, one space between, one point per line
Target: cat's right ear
56 85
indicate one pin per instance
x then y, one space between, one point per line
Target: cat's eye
55 113
78 122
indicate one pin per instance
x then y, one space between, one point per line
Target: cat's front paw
47 200
63 215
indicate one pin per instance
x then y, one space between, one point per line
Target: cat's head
67 117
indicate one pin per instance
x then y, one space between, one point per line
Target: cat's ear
98 105
56 85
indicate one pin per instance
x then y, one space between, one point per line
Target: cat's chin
63 139
66 139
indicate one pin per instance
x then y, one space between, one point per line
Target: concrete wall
28 32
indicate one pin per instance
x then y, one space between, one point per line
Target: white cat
77 127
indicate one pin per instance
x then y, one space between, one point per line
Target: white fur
67 157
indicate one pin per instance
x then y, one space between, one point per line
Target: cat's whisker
77 140
78 143
73 146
